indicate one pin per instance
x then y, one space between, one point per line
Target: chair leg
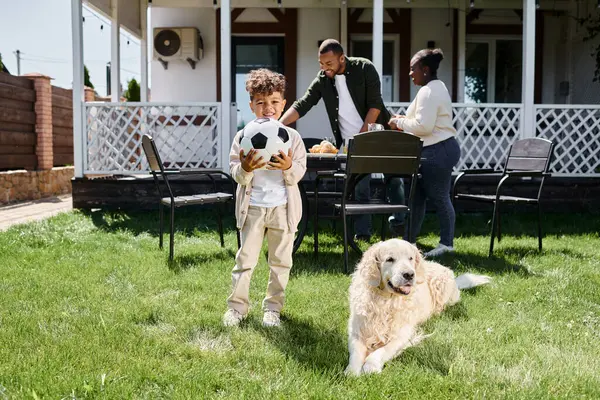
493 230
407 232
382 227
239 239
220 223
161 225
345 233
171 238
499 234
316 224
540 226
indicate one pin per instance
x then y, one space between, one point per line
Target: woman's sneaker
271 318
439 250
232 318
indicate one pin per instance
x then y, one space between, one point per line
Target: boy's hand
281 161
250 162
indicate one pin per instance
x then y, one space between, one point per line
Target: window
363 47
493 68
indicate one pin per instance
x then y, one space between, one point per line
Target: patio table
318 162
315 162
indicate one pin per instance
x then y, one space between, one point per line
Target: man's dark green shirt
364 86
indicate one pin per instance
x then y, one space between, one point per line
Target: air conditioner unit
171 44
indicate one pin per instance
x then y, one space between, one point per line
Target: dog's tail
468 281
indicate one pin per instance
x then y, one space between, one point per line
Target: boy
265 200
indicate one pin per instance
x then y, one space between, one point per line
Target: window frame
491 40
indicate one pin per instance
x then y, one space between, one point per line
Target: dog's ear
419 265
368 267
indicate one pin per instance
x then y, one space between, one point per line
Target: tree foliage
133 91
592 27
86 78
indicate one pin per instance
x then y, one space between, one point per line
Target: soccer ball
267 136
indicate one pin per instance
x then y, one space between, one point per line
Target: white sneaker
439 250
271 318
232 318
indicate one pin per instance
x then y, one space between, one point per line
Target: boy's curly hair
264 81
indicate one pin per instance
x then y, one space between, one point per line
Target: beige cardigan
291 177
429 116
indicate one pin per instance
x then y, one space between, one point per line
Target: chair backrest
387 152
531 154
155 163
152 154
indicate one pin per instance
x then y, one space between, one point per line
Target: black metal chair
527 159
388 152
173 202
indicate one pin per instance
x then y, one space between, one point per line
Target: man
351 90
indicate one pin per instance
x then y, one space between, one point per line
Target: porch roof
129 13
495 4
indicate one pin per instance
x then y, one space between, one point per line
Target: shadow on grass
461 262
187 220
330 259
436 357
327 262
521 223
321 349
184 262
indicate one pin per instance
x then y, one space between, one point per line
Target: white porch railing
187 135
575 131
485 132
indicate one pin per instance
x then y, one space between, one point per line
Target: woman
429 116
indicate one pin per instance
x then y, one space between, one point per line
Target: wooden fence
18 137
62 125
17 123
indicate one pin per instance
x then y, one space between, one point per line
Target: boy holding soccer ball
266 200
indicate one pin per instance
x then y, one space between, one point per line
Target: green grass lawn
89 308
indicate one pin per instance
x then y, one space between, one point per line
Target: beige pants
281 243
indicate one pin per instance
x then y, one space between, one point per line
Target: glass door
249 53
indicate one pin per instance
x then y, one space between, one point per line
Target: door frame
287 24
258 40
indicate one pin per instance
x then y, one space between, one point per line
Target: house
515 68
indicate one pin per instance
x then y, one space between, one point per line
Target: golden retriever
393 291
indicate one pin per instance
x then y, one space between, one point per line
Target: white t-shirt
349 119
268 189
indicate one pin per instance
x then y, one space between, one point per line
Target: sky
41 30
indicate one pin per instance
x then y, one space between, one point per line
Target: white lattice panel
187 136
485 132
575 131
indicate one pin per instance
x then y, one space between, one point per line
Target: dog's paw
372 367
352 370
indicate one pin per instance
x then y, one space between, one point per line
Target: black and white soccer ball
267 136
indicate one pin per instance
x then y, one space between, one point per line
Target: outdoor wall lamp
472 3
